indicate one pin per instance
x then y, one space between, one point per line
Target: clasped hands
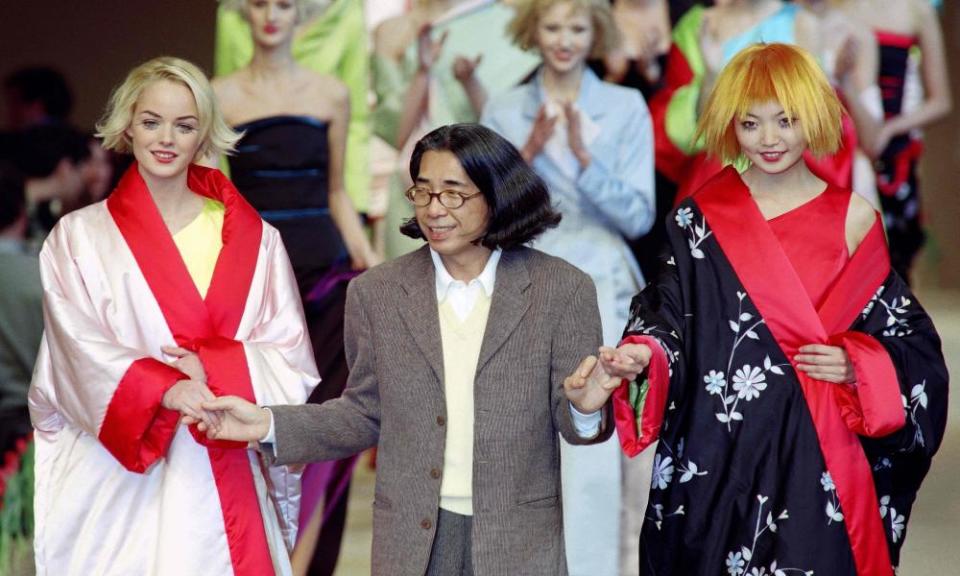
592 383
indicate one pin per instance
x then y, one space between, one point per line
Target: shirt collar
486 279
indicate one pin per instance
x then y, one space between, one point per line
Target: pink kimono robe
121 486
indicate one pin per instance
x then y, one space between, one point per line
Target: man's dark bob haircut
517 197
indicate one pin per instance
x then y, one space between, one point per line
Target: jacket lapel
508 306
419 309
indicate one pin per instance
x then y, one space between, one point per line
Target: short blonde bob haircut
306 9
606 36
758 74
215 136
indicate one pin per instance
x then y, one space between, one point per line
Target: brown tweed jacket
543 320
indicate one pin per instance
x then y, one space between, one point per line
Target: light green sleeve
681 117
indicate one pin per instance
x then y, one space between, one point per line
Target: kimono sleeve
657 319
620 185
895 328
86 378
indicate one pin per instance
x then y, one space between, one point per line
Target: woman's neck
170 195
798 179
269 62
562 87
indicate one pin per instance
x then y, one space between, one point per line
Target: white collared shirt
462 295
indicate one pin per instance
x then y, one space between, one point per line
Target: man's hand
240 420
589 387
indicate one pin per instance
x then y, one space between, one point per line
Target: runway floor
933 538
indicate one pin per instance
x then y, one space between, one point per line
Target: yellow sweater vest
461 350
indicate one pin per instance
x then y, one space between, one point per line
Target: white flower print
735 563
749 381
662 472
827 482
715 382
896 525
684 217
884 502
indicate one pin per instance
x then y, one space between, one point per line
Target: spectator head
517 198
37 95
526 24
216 136
12 201
763 73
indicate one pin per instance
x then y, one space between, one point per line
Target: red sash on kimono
839 412
208 327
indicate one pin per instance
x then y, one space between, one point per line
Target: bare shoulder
860 219
391 37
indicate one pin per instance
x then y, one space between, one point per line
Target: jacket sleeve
343 426
86 378
620 185
575 336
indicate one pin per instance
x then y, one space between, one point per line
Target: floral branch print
833 504
687 471
739 562
698 232
896 308
918 400
659 516
747 382
896 520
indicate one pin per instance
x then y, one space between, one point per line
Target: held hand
187 397
240 420
589 387
428 50
464 68
186 362
539 135
628 361
827 363
575 135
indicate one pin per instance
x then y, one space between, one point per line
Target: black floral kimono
762 470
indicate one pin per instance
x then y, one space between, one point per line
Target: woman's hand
575 135
187 397
464 68
240 421
539 135
428 49
827 363
589 387
627 362
186 362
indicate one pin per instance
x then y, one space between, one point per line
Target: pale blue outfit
612 198
778 27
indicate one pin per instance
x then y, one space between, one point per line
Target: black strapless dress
282 168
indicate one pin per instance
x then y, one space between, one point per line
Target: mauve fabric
543 321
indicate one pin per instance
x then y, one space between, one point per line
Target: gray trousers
451 552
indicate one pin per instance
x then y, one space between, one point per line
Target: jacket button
426 524
435 474
441 420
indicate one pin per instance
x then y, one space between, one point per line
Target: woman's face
770 139
165 130
451 232
272 22
564 37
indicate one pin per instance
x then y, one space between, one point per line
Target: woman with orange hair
797 388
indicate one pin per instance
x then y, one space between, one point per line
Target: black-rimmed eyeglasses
421 196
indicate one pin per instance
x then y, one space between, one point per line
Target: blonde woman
169 293
592 142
